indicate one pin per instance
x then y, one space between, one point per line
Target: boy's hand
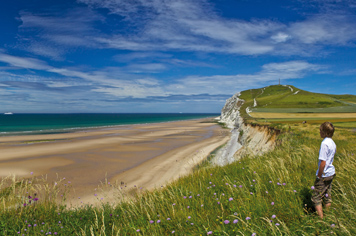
321 169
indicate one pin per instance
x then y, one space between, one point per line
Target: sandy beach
136 156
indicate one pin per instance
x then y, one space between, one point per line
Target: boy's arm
321 168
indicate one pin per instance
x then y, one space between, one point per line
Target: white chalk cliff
246 139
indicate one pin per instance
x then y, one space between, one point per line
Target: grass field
268 115
340 109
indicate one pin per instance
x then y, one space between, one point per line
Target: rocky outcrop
246 139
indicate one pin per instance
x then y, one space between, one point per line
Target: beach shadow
308 205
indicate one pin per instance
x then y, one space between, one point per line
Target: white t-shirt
326 153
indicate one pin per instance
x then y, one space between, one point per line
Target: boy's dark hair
328 129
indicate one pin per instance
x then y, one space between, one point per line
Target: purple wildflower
189 217
230 199
158 221
277 224
138 230
248 218
272 203
332 225
210 232
240 186
226 222
151 221
273 216
235 221
312 187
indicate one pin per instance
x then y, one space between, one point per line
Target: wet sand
136 156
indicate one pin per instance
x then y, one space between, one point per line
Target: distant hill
289 99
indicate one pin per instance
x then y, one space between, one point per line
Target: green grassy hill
287 98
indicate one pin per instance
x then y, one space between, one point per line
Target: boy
326 170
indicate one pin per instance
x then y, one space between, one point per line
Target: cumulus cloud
121 85
230 84
194 26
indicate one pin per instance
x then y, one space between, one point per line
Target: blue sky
169 56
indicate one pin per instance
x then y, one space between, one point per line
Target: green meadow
289 99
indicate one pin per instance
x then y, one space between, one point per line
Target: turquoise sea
21 124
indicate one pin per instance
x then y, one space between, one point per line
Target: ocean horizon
50 123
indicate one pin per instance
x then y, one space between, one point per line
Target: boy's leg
319 190
328 200
322 189
319 210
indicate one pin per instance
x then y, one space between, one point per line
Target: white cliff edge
245 138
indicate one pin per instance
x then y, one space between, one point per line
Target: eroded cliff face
246 139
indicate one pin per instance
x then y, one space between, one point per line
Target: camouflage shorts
322 190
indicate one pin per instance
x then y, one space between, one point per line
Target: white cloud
181 25
116 83
325 29
50 34
280 37
230 84
23 62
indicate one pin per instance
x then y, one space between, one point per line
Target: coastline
145 155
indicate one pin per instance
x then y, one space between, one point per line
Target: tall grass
266 195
